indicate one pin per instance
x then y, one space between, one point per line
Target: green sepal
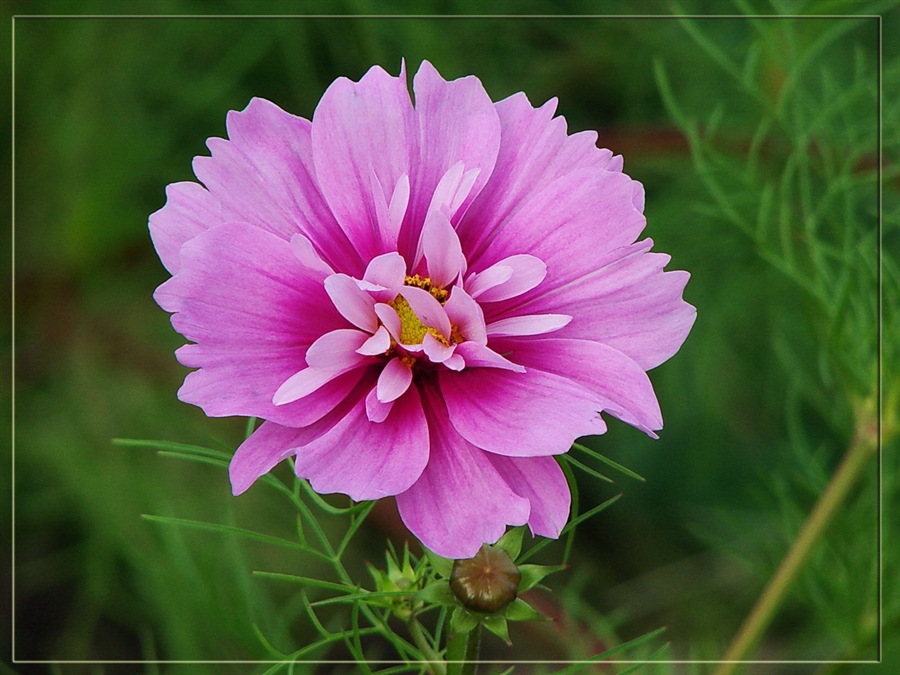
520 610
461 621
532 574
443 566
511 542
497 625
437 593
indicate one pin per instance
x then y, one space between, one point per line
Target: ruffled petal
189 210
534 151
272 443
253 310
456 123
426 307
628 303
541 481
460 501
368 460
363 130
569 225
520 414
264 176
379 343
600 368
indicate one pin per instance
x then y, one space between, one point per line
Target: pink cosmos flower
427 301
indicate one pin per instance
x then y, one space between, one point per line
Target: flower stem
435 665
473 645
864 445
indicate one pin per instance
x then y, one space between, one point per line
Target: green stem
861 449
435 665
473 645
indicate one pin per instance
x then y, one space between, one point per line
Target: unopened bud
488 582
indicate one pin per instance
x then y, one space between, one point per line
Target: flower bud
486 583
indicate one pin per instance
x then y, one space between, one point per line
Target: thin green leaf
606 460
228 529
307 581
169 445
578 667
584 467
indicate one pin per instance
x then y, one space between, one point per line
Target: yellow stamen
426 284
412 330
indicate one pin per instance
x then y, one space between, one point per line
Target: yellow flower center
412 330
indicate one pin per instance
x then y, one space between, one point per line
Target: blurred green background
757 141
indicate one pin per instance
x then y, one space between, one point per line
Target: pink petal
354 304
494 275
466 315
435 350
455 361
526 272
189 210
377 344
361 128
390 319
628 303
532 324
441 248
302 384
519 414
394 380
337 350
398 204
265 177
480 356
601 369
368 460
272 443
534 151
543 484
456 123
452 189
426 307
569 225
306 254
387 271
253 311
376 411
460 501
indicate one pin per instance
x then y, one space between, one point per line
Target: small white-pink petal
527 272
307 255
377 344
389 318
480 356
494 275
354 304
393 381
426 307
337 350
303 384
455 362
531 324
435 350
387 271
399 203
442 249
466 315
377 411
